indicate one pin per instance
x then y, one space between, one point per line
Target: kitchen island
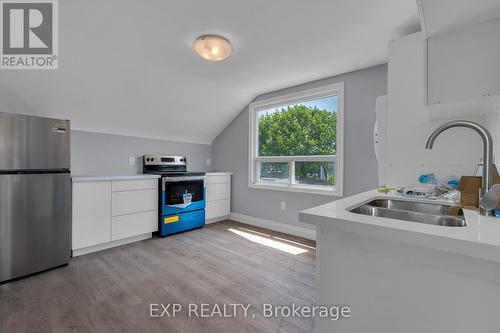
402 276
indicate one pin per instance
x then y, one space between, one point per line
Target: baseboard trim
216 219
273 225
108 245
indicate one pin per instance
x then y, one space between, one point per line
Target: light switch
131 160
283 205
209 161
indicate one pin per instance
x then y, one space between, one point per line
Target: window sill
297 188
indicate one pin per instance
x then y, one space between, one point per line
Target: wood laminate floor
222 263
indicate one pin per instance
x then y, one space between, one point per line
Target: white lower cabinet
113 213
218 201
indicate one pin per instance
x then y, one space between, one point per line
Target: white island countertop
102 177
480 238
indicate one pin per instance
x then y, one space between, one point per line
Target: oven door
176 192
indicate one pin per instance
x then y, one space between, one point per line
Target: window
296 142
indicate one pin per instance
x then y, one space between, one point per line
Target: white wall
456 151
493 125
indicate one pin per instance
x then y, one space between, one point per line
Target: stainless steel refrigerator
35 194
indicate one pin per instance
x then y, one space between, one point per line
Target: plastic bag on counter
427 178
417 192
447 184
452 196
441 185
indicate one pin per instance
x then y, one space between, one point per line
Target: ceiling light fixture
213 47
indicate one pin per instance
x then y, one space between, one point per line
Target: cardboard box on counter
469 187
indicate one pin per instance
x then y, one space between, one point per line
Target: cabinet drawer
217 179
129 202
130 225
136 184
218 191
217 209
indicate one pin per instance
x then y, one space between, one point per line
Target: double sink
429 213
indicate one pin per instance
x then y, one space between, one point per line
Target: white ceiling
127 67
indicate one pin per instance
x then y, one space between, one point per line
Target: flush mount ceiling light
213 47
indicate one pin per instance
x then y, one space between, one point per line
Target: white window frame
336 89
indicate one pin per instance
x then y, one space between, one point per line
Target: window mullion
310 158
292 172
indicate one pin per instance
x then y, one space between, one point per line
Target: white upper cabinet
443 16
464 64
462 70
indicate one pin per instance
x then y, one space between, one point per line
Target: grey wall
107 153
230 150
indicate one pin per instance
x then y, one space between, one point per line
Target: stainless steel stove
181 193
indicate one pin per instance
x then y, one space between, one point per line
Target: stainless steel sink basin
430 213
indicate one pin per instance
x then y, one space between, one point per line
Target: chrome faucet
487 181
489 200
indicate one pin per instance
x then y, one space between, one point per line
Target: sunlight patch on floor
294 242
254 232
288 248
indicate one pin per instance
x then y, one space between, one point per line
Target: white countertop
480 238
112 176
101 177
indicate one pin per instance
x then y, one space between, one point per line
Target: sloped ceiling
127 66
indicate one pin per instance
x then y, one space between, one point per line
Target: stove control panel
164 160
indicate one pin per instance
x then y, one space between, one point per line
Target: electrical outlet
131 160
283 205
209 161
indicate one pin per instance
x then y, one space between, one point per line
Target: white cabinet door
464 64
91 213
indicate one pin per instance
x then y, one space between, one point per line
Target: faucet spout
487 181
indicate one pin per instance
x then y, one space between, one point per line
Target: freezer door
28 142
35 216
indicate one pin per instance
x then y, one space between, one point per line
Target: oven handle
179 179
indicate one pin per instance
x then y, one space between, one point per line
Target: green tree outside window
299 130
